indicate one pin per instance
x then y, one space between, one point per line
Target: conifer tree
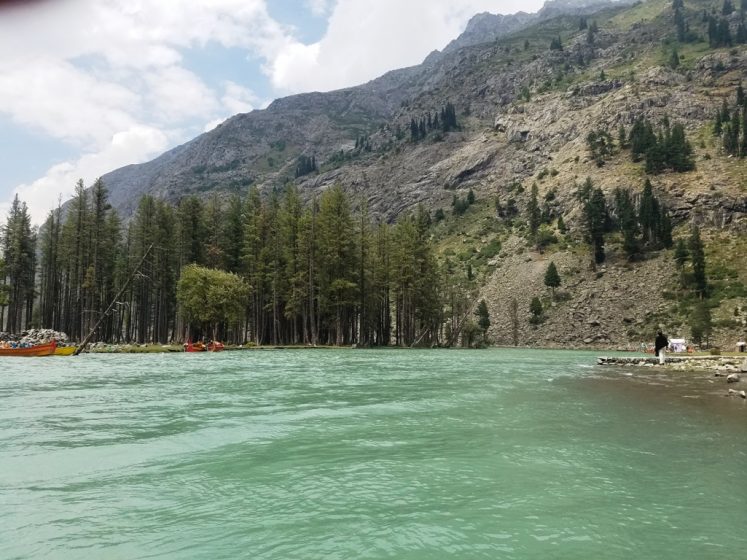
552 278
254 264
674 59
697 256
51 270
75 254
741 35
338 289
681 256
231 234
191 231
595 211
19 250
414 130
622 137
483 318
535 308
628 223
648 214
534 217
701 325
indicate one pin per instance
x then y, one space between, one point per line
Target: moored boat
38 350
64 350
196 347
201 347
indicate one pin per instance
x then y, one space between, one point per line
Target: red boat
200 347
38 350
196 347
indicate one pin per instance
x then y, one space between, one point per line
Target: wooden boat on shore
200 347
64 350
38 350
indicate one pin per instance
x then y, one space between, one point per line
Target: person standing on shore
660 346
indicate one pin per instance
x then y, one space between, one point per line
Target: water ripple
360 454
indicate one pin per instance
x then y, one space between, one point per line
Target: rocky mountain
261 147
524 113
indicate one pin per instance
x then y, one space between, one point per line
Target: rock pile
34 336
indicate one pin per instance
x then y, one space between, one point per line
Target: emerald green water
340 454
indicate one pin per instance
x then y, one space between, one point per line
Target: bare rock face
589 307
486 27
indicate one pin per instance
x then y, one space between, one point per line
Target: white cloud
318 8
366 39
173 94
134 145
237 98
55 97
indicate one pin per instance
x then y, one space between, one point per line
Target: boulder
743 367
732 378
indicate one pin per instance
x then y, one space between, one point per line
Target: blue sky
87 86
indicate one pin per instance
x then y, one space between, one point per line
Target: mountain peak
486 27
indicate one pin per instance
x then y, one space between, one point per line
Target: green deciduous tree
209 297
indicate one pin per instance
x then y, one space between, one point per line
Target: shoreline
723 376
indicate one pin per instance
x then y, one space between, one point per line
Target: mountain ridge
356 109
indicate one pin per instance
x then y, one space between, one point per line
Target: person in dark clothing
660 344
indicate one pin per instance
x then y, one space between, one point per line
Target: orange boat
38 350
196 347
200 347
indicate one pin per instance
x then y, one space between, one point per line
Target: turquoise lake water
341 454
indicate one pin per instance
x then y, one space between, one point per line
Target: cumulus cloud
318 8
365 39
237 98
135 144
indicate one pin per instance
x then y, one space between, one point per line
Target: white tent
678 345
